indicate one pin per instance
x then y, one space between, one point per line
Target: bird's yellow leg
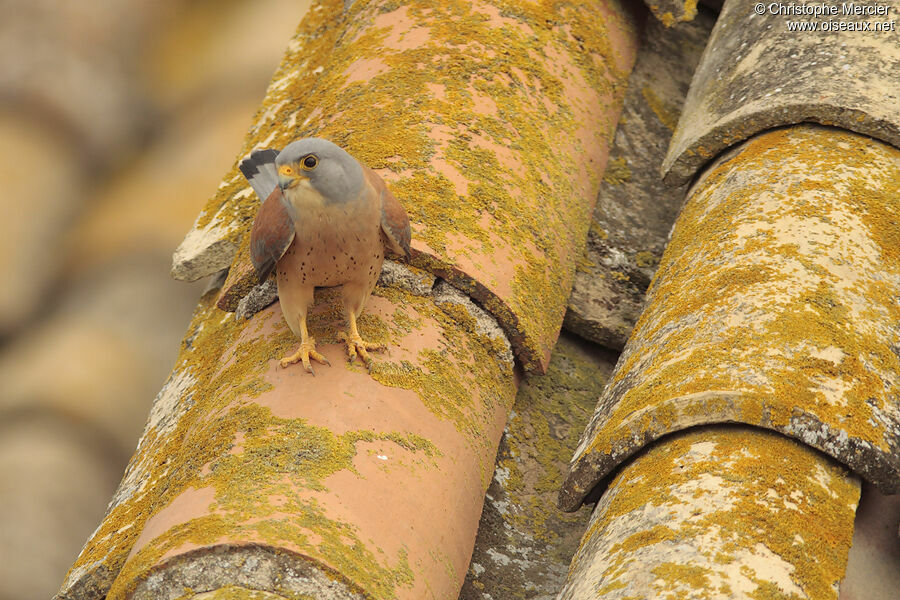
306 351
355 344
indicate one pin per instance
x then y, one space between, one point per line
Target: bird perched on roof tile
326 220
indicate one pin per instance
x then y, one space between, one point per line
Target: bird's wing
259 170
394 221
272 234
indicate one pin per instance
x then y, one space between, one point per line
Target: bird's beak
288 181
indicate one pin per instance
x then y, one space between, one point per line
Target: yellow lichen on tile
717 510
645 259
777 293
248 456
670 12
235 592
505 71
485 130
270 448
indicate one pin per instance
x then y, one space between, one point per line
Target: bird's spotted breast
334 245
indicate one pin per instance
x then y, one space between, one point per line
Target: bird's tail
259 169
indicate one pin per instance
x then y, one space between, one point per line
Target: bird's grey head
332 172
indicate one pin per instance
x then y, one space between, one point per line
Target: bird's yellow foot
306 351
356 346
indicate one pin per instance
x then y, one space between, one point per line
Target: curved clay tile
490 122
775 305
316 467
719 512
758 72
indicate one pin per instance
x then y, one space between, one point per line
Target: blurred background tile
117 121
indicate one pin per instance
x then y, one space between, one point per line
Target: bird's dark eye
310 162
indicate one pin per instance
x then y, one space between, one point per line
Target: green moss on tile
549 411
667 114
617 171
520 519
